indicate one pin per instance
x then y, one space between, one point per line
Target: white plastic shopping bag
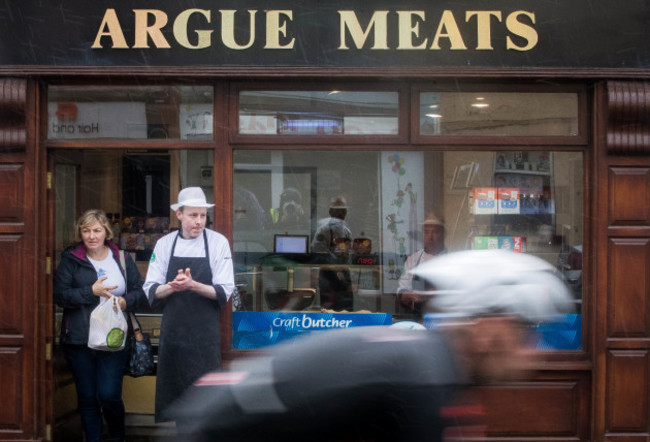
108 327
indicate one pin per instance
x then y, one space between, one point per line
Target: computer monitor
291 243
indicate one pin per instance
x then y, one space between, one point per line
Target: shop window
498 114
293 259
318 113
130 112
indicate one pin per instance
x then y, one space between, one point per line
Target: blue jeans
98 377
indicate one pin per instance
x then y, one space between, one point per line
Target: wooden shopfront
523 125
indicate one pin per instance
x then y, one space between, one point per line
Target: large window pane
292 255
137 112
498 114
318 113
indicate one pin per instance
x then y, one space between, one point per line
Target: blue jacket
73 291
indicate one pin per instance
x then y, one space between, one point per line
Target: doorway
135 189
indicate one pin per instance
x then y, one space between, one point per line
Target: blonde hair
90 217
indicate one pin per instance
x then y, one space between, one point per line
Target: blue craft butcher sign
260 329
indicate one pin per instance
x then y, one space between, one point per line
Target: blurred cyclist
388 383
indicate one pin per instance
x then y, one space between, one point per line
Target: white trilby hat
338 203
432 220
191 197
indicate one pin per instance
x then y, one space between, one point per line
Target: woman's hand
122 302
99 289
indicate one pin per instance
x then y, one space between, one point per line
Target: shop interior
388 195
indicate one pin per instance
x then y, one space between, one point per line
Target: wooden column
621 296
20 413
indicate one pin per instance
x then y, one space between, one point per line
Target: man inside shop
411 288
333 239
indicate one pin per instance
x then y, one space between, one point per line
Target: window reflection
318 113
498 114
134 112
527 202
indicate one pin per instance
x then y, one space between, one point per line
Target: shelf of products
138 234
519 203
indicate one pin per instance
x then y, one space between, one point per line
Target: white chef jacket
220 259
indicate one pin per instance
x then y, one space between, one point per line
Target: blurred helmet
291 194
484 282
408 325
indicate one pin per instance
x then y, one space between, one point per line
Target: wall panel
627 387
11 386
11 312
19 357
12 183
629 193
553 406
627 308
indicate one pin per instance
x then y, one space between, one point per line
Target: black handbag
140 362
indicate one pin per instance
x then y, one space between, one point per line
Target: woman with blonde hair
89 273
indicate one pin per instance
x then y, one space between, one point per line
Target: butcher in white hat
190 276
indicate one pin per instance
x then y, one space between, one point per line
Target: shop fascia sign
237 30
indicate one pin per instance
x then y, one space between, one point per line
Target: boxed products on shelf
485 200
508 200
512 243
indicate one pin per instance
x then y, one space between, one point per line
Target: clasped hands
99 289
183 281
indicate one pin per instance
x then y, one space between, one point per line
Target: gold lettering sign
276 26
228 29
111 28
407 29
522 30
378 23
448 29
483 27
144 31
412 30
181 31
